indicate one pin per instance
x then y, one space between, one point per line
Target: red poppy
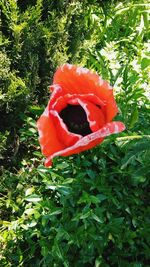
79 114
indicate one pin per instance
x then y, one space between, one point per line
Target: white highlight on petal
73 101
81 70
40 133
55 114
109 87
55 87
62 67
72 97
63 125
100 82
116 128
84 106
69 66
46 112
42 147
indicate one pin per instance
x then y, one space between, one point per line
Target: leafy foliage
89 209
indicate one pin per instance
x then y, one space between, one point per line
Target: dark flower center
75 119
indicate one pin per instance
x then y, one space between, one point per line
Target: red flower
79 114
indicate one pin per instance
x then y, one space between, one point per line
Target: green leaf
134 118
29 191
96 218
55 212
33 198
145 63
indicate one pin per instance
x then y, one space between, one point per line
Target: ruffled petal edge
88 141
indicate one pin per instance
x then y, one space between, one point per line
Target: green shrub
89 210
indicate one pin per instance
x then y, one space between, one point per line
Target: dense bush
89 209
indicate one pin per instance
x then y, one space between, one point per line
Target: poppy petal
78 80
48 139
56 93
62 101
88 141
111 108
66 137
94 114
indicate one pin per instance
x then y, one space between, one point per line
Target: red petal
78 80
66 137
94 114
111 108
61 102
48 135
56 93
88 141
